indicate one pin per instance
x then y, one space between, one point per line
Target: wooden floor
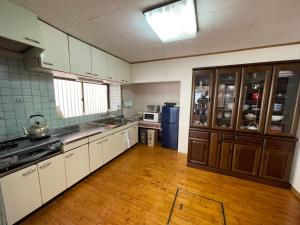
139 188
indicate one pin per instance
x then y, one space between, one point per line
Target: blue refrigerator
169 126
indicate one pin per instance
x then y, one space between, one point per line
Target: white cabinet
112 68
96 154
56 54
99 63
112 147
123 71
19 24
21 193
80 57
125 140
133 134
52 177
77 164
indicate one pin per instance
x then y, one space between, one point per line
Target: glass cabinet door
226 98
284 105
254 98
201 97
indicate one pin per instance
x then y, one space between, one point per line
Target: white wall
149 94
181 70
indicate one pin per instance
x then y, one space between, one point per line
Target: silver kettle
37 129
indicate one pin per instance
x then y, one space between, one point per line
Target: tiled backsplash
24 93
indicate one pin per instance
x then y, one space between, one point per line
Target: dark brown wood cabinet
198 153
276 164
246 159
244 120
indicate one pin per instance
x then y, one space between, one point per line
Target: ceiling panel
119 27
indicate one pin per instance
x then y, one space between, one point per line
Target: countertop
73 133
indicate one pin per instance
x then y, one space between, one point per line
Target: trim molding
220 52
295 192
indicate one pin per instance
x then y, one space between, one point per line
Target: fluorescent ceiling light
173 22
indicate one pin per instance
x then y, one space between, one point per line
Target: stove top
18 152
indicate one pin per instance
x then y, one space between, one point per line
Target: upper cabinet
112 68
123 71
203 81
254 94
56 55
19 24
80 57
99 63
284 101
226 98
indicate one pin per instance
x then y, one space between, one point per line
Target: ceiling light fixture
173 22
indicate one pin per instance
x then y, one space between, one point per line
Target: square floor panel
192 209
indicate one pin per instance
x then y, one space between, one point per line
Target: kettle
37 129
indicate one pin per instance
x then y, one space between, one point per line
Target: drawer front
249 140
280 144
229 137
75 144
199 134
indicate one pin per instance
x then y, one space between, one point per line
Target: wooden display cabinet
248 126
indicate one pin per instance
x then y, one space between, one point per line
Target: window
74 98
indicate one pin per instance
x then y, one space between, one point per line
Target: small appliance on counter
153 108
170 125
38 129
152 114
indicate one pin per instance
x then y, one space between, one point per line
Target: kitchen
61 77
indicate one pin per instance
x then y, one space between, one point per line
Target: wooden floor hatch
193 209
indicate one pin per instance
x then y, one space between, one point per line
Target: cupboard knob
48 64
70 155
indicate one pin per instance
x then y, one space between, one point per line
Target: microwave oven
151 117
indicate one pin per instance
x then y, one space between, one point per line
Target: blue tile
5 84
5 91
3 67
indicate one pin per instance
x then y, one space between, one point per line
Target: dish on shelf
255 109
246 107
276 118
227 115
255 96
231 87
252 126
228 95
250 116
230 105
276 128
277 107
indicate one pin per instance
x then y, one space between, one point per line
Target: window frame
83 94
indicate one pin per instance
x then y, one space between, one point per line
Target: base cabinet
198 151
134 135
246 159
76 164
96 154
52 177
112 146
276 165
21 193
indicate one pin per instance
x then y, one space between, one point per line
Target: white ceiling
118 26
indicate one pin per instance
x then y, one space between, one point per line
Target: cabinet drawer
75 144
249 140
199 134
228 137
279 144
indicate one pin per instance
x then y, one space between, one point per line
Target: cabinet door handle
45 165
99 142
70 155
32 40
48 64
28 172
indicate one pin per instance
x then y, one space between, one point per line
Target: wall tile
24 93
